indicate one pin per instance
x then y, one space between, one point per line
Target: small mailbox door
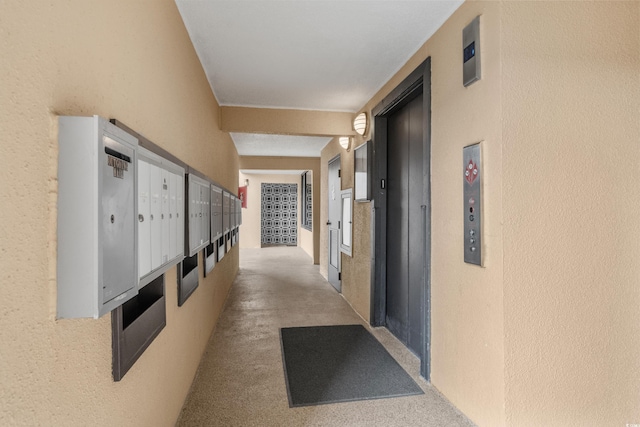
118 226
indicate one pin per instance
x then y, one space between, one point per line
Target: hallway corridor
240 381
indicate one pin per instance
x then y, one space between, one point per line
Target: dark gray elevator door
405 240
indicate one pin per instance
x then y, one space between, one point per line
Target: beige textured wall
571 91
467 306
287 122
251 216
295 163
131 60
305 241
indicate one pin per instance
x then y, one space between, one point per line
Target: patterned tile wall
279 214
308 201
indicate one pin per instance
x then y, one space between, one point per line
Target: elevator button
471 218
472 232
472 248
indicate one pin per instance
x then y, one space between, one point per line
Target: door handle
328 222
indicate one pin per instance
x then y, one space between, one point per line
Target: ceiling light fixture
360 123
345 142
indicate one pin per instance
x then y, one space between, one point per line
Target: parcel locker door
155 217
180 213
173 219
164 216
144 224
118 219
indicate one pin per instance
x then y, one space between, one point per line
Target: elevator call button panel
472 194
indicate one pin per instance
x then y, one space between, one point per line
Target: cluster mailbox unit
213 253
199 210
198 233
226 223
232 219
216 213
126 214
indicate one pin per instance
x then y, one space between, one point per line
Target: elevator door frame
418 81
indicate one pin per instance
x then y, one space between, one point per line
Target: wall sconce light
345 142
360 123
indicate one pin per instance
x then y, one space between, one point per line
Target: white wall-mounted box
96 230
199 197
160 215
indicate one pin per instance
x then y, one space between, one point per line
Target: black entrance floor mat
329 364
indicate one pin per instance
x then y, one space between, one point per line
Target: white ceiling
331 55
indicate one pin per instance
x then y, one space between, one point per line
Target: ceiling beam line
285 122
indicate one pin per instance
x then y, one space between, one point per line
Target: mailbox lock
170 216
151 217
161 216
113 218
140 217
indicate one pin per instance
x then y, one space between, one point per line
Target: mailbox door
117 222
